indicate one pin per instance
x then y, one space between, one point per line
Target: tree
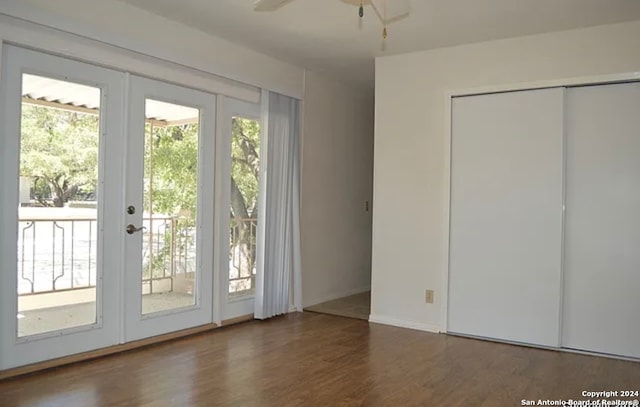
245 167
171 173
59 148
174 169
245 172
171 170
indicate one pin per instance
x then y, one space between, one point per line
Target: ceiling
324 35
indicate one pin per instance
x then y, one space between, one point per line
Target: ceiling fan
387 11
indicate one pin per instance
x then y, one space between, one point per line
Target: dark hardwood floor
320 360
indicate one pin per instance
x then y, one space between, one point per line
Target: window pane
170 205
58 206
245 169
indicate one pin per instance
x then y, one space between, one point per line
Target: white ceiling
324 35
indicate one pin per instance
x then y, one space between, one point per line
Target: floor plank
309 359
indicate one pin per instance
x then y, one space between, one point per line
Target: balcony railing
56 254
168 246
59 254
242 256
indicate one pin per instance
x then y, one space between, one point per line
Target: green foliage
171 174
60 152
59 147
245 154
173 169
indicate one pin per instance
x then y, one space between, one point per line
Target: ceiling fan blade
395 10
269 5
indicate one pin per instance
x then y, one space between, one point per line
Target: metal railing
168 247
56 254
242 256
60 254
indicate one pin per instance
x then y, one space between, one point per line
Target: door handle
131 229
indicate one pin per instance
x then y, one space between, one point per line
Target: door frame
16 351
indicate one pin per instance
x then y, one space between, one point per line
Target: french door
106 207
169 202
59 294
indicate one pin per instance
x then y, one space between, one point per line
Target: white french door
106 205
169 203
59 264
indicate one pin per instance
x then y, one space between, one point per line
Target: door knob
131 229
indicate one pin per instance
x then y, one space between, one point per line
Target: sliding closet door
602 252
506 216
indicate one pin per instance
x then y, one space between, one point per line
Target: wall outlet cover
428 296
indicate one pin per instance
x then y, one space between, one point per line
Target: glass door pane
58 205
170 203
241 146
245 176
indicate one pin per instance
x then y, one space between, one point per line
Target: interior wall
125 26
337 179
410 224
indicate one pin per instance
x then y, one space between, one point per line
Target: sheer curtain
279 286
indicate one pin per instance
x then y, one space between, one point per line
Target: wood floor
354 306
309 359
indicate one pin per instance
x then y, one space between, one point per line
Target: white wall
337 168
410 226
135 29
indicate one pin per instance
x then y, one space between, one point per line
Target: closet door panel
602 251
506 216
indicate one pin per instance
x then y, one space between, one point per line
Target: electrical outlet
428 296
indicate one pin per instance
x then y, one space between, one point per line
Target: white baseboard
385 320
335 296
293 308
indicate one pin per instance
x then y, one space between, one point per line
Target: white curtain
279 286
